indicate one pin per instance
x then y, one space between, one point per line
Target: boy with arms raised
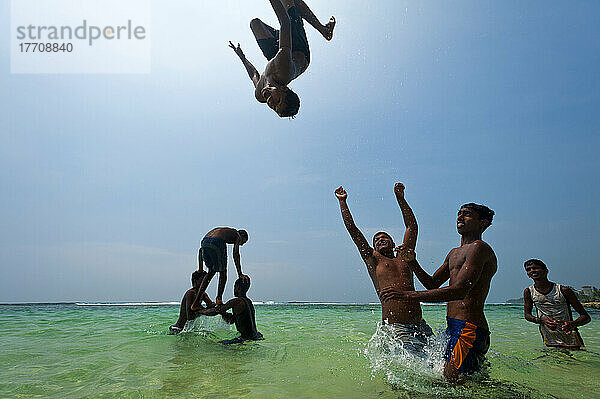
388 271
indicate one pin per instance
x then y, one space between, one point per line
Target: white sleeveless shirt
555 305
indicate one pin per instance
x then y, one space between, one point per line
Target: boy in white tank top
553 304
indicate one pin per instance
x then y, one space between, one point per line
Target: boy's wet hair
243 284
482 211
243 234
197 275
535 262
292 104
382 232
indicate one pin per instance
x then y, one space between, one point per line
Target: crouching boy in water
243 313
553 303
185 311
388 271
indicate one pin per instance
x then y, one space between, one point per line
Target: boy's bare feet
328 29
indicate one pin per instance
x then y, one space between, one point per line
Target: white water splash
402 365
205 325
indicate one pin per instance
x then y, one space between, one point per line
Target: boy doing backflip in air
287 51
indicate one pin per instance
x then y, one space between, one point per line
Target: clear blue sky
110 181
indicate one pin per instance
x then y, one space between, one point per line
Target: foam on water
401 366
420 374
207 325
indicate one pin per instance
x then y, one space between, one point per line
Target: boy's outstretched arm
465 280
237 260
365 250
406 251
410 222
252 72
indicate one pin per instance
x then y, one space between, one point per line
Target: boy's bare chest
393 269
456 260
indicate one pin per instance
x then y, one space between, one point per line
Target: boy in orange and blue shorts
467 345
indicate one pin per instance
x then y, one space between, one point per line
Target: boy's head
535 269
197 277
382 241
243 236
473 218
241 286
282 100
290 105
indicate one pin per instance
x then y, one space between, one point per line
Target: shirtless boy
470 269
287 51
213 252
553 303
185 311
242 316
388 271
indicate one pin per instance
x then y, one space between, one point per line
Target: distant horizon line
173 303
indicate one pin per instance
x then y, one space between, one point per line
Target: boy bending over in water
213 252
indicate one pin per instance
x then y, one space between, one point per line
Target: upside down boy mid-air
287 51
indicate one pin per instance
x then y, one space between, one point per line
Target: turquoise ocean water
309 351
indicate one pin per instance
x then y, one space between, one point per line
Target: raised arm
252 72
410 222
465 280
366 252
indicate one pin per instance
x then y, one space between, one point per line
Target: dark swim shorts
270 46
214 253
467 345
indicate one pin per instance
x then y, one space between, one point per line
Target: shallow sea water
309 351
